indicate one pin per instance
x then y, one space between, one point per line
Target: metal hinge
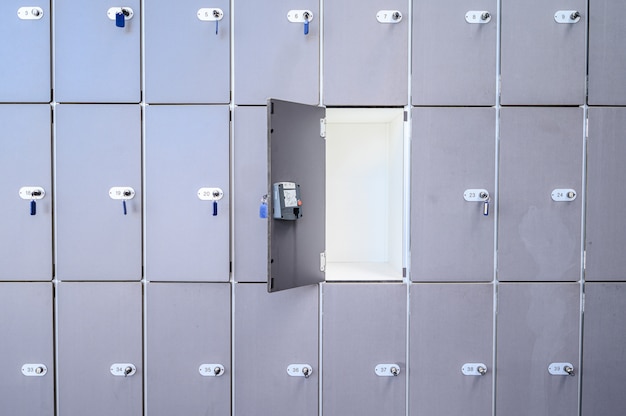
323 127
322 262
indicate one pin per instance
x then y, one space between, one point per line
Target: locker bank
317 208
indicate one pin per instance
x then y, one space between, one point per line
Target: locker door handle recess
34 370
389 16
474 369
387 370
211 370
567 16
561 369
300 370
32 194
478 16
123 369
30 13
301 16
120 15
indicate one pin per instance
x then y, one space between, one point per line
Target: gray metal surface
604 356
99 324
365 62
537 324
363 325
25 157
188 324
461 155
25 67
540 150
273 331
607 56
297 154
250 184
453 62
27 338
96 61
543 62
97 147
186 148
273 57
186 61
605 222
451 325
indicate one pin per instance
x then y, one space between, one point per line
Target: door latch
301 16
478 195
474 369
32 194
122 193
211 194
389 16
387 370
120 15
123 369
211 15
567 16
211 370
561 369
30 13
478 16
300 370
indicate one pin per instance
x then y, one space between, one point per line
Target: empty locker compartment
99 330
451 349
187 193
366 53
276 370
188 349
98 192
27 363
190 61
364 349
540 194
537 357
25 192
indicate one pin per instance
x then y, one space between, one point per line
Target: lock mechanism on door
563 195
561 369
123 369
122 193
387 370
567 16
120 15
30 13
474 369
34 370
301 16
211 370
478 16
211 15
300 370
389 16
478 195
32 194
286 203
211 194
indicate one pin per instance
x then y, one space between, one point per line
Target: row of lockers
167 222
454 52
449 365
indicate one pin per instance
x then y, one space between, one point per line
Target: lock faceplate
476 195
474 369
210 14
123 193
387 370
210 194
211 370
123 369
299 16
32 192
561 369
30 13
299 370
563 195
567 16
113 11
34 370
478 16
389 16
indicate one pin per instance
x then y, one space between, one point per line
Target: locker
451 339
275 334
543 52
296 246
366 53
540 194
283 62
249 186
188 337
363 341
604 356
25 71
187 193
26 221
95 58
605 224
448 215
98 192
537 338
27 364
607 56
190 61
454 52
99 327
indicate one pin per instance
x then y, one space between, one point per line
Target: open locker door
297 194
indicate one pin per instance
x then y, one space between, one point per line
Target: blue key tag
124 206
306 27
120 21
263 208
33 207
215 208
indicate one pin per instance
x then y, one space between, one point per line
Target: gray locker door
607 55
451 331
605 222
454 61
365 61
188 336
186 151
273 56
543 61
250 184
604 356
98 147
25 157
297 154
95 60
540 153
187 57
25 68
444 225
273 332
364 325
537 327
99 333
27 345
